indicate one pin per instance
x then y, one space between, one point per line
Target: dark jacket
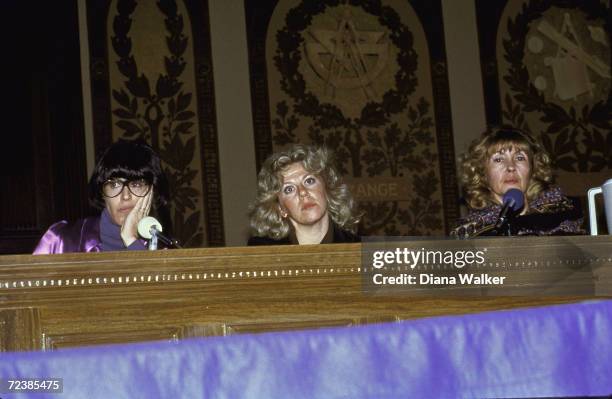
338 236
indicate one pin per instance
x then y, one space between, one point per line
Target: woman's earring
283 214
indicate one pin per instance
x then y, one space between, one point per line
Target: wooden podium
56 301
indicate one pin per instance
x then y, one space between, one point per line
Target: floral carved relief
356 77
153 100
555 79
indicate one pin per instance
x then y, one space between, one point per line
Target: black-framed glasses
113 187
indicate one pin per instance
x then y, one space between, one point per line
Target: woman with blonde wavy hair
301 199
506 158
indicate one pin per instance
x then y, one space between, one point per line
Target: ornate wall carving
547 69
152 79
367 79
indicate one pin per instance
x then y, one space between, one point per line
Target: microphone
513 201
151 229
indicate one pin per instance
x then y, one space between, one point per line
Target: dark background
43 169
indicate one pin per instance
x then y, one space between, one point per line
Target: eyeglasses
113 187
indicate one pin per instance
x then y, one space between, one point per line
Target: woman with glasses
126 183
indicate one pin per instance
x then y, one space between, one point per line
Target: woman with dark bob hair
505 158
126 182
301 199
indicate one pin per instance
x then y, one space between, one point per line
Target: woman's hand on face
129 229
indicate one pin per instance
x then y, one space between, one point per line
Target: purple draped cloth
554 351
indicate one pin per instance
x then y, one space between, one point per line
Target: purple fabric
110 233
80 236
63 237
110 236
555 351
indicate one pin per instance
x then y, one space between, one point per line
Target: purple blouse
82 235
62 237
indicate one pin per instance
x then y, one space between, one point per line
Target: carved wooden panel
304 324
59 341
20 329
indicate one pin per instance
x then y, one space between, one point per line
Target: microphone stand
505 228
503 222
156 237
150 228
